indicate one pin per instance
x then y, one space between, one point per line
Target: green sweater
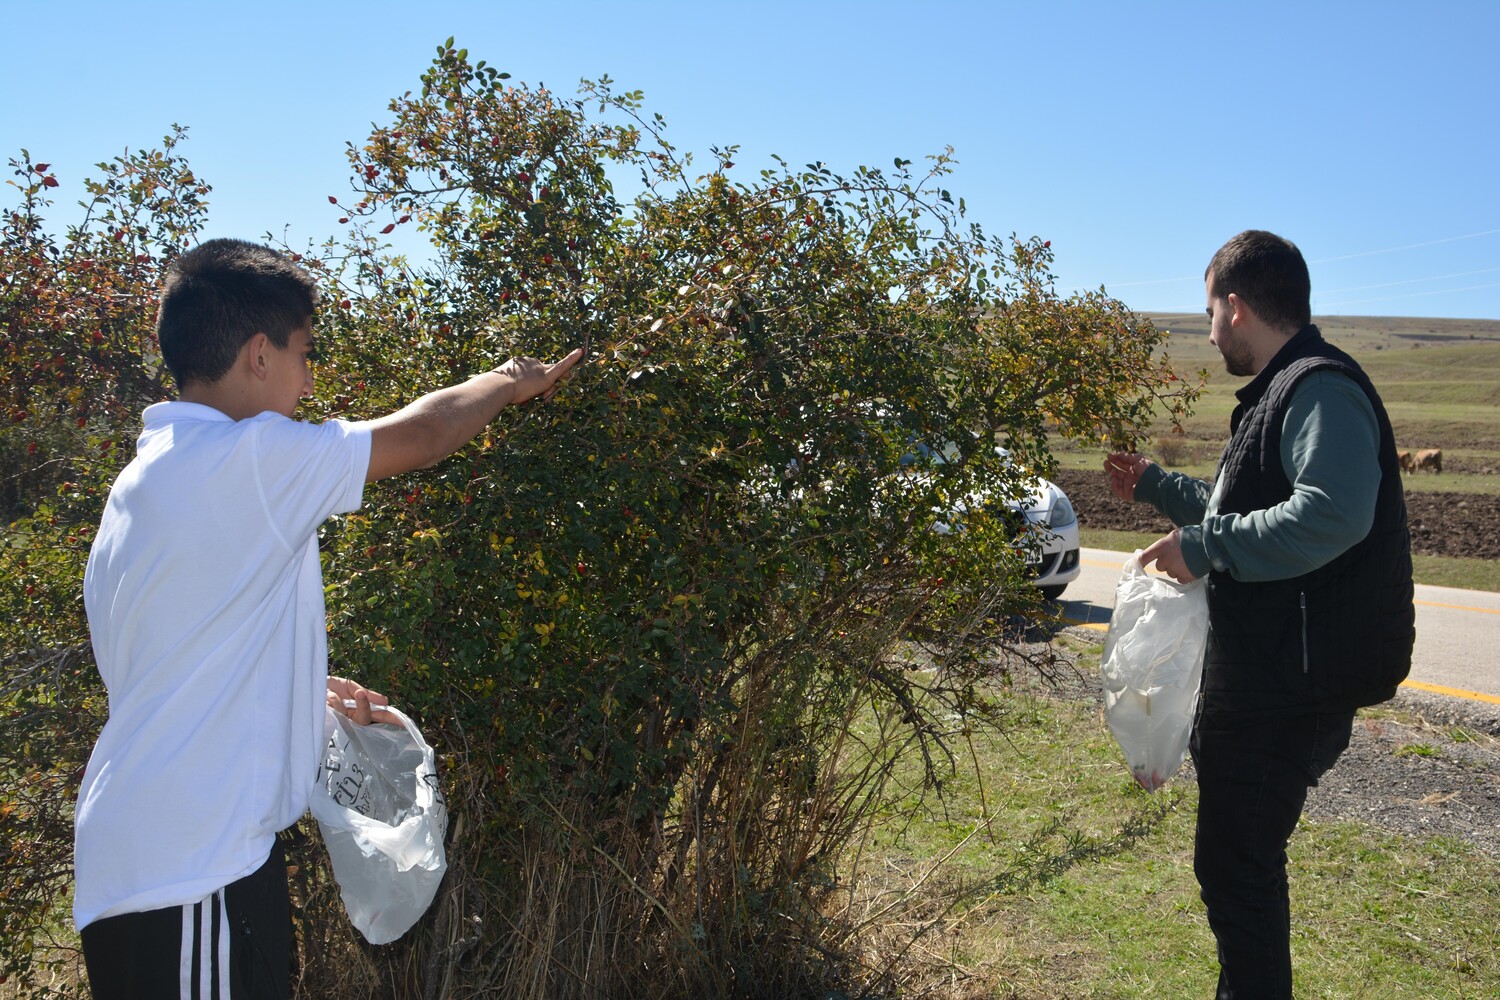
1329 452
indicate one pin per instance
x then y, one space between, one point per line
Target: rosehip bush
645 620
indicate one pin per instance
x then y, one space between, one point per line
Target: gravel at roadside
1423 765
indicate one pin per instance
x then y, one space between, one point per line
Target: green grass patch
1465 574
1449 482
1064 879
1116 541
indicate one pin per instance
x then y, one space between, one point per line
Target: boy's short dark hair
220 294
1268 273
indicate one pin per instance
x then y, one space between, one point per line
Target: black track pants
233 945
1252 783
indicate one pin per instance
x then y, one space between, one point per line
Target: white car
1050 514
1052 555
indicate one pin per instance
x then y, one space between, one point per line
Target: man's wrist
1147 483
1194 551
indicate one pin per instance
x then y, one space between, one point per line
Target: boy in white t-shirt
205 604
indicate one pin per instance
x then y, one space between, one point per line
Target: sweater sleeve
1180 497
1330 452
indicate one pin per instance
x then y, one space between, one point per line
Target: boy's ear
253 354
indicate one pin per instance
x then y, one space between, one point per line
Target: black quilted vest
1341 636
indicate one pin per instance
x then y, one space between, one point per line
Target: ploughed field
1442 524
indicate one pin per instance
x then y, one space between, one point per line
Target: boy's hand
533 378
369 706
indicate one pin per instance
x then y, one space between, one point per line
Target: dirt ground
1442 524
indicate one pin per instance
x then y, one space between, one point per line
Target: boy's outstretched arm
430 429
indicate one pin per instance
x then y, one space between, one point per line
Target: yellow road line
1096 626
1453 692
1458 607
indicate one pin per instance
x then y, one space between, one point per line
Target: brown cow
1429 459
1404 457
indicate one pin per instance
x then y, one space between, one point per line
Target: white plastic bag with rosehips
1151 669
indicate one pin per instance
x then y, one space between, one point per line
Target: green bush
649 624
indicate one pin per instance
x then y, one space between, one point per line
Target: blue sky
1136 136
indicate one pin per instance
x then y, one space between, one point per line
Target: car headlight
1062 513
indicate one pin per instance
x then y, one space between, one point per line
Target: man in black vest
1304 541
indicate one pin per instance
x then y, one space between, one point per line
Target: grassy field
1374 914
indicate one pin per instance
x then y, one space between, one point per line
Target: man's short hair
220 294
1268 273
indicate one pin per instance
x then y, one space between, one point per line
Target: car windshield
941 454
921 451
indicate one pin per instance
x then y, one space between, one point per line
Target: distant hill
1391 329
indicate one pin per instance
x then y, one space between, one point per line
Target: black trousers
236 943
1252 784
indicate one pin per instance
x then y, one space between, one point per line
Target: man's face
290 377
1238 358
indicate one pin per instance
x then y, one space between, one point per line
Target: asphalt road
1458 631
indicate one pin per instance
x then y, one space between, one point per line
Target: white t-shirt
205 604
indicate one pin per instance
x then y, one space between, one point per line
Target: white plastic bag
383 818
1151 669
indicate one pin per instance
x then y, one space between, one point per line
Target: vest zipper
1302 600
